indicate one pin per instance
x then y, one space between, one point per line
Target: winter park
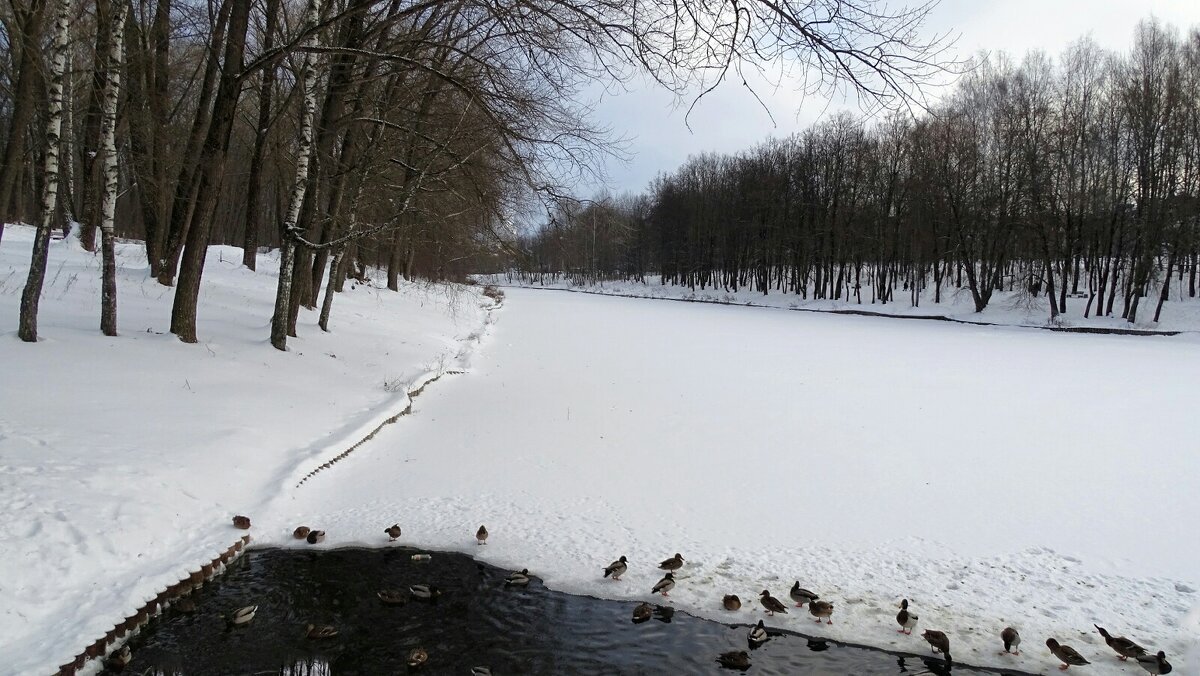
620 337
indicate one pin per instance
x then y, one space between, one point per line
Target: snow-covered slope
1180 313
992 476
123 459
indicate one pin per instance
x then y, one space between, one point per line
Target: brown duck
772 604
301 532
735 659
1123 646
393 532
481 535
673 563
731 602
417 658
1012 640
938 642
1069 656
242 522
822 610
320 631
642 612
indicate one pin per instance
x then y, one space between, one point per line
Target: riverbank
123 460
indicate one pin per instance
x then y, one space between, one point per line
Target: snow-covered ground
123 459
1006 308
993 476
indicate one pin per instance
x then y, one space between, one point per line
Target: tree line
1076 177
403 134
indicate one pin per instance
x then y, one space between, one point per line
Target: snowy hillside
123 459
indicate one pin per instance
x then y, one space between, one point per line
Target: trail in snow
991 476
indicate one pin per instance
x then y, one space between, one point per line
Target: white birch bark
287 252
108 146
41 244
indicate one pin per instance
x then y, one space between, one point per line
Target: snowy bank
122 460
1007 308
993 476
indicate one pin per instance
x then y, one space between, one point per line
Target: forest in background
1076 177
407 134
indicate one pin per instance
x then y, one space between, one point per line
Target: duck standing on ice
905 619
1069 656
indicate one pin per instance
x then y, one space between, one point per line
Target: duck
481 535
664 585
320 631
731 602
938 642
392 597
1124 647
417 657
241 616
821 610
301 532
735 659
758 635
393 532
315 537
905 619
801 595
616 569
674 563
520 579
120 658
1012 640
424 592
242 522
1155 664
772 604
642 612
1069 656
184 605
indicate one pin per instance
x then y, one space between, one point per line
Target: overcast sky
730 120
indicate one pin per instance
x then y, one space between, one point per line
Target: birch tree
304 149
108 146
32 293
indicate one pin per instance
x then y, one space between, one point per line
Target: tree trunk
308 80
24 103
41 243
266 91
108 145
92 172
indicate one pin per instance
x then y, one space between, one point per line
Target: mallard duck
417 657
120 658
938 642
320 631
673 563
520 579
772 604
616 569
425 592
905 619
642 612
393 532
735 659
242 616
1123 646
481 671
1012 640
301 532
481 535
184 605
392 597
664 585
242 522
758 635
801 595
822 610
731 602
315 537
1069 656
1155 664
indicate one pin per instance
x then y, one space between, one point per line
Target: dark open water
477 621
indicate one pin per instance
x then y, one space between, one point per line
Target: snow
992 476
1006 308
122 460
